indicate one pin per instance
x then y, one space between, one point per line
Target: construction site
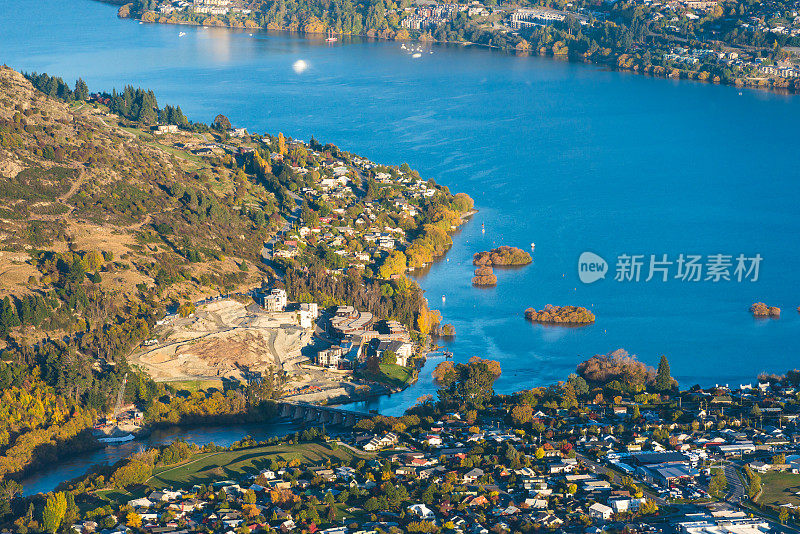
237 340
224 340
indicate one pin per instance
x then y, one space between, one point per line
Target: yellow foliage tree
427 320
395 264
314 25
94 260
133 520
281 144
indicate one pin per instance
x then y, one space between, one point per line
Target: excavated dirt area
223 340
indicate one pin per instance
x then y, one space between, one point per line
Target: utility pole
120 396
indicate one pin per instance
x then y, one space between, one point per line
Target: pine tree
179 118
663 379
8 316
25 309
81 90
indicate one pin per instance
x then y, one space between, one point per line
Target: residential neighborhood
681 462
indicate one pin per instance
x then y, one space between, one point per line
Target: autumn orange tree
503 255
571 315
281 144
484 276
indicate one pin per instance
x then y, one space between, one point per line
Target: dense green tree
221 122
71 512
468 385
54 509
664 381
389 356
81 90
8 316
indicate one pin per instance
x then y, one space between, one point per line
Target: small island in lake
501 256
484 276
570 315
759 309
444 330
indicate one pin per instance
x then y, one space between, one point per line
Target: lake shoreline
607 143
611 63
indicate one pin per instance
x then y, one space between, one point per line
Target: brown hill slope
73 180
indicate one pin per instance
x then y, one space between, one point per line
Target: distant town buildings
535 17
165 128
211 7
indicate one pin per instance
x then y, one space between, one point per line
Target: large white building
725 526
330 357
307 314
600 511
275 300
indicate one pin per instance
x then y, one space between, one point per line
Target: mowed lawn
398 374
204 468
391 374
780 488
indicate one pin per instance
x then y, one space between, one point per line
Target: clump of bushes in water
484 276
504 255
572 315
759 309
445 330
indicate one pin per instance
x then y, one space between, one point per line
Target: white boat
181 34
417 55
533 246
117 439
331 39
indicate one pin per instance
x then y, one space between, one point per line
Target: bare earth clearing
224 339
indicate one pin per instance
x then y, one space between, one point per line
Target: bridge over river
313 413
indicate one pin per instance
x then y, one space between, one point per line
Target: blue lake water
570 156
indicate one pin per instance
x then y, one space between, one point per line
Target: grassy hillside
102 226
74 180
203 468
